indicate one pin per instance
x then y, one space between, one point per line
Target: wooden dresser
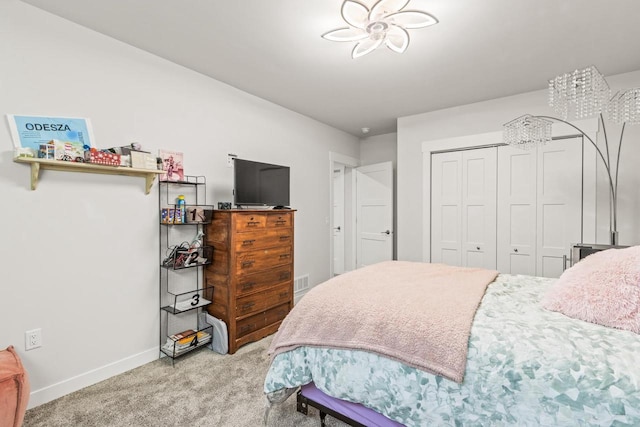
252 271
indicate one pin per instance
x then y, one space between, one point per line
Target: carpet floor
202 389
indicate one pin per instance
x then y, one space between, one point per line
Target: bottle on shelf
181 209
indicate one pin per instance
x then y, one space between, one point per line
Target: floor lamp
583 94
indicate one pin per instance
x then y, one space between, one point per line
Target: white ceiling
480 49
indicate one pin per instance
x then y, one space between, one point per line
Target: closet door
446 207
516 211
559 198
539 207
463 208
479 208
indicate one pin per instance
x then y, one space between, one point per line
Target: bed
525 364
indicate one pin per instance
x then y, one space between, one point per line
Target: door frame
350 163
471 142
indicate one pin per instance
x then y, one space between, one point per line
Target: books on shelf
183 341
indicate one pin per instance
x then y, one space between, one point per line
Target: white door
446 207
516 211
539 207
374 206
559 200
463 208
479 208
338 220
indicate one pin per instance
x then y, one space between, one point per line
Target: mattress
525 366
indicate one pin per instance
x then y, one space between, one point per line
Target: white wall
489 116
80 254
379 148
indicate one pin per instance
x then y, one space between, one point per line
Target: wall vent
301 283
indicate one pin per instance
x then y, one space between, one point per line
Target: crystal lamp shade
527 131
584 93
624 107
385 24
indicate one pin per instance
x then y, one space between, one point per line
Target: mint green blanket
525 366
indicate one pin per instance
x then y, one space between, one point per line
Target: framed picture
172 165
69 135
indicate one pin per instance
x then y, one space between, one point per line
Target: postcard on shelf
32 132
172 165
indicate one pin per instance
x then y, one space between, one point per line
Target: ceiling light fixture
386 23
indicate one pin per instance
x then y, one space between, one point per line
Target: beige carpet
202 389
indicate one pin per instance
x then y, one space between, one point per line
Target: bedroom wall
379 148
489 116
80 254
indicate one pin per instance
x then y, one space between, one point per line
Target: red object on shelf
102 158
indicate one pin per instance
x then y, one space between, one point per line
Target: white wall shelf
37 164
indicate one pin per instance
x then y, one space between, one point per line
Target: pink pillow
603 288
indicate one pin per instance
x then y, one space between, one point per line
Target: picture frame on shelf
70 136
172 164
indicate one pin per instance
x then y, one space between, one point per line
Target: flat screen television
260 184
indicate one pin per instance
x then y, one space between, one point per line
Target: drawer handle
247 306
248 285
252 223
285 275
284 238
284 256
246 264
248 242
284 294
247 328
280 222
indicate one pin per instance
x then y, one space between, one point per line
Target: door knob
337 228
477 248
386 232
515 250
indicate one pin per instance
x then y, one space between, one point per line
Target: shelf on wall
58 165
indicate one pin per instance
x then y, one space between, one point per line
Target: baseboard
54 391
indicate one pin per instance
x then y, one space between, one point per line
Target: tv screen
260 184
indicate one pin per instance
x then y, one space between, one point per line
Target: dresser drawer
260 320
259 302
250 324
250 221
276 314
259 281
254 261
263 239
280 220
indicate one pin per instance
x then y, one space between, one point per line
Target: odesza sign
54 127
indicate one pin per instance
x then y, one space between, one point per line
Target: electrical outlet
33 339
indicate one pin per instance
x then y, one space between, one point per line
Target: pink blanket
417 313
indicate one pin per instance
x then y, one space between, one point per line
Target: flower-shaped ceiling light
386 23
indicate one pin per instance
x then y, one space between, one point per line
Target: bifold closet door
539 207
559 204
446 207
516 210
463 204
